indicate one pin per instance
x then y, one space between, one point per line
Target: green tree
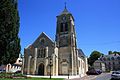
9 29
115 52
110 52
93 57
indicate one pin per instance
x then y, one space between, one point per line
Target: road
103 76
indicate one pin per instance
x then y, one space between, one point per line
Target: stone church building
59 57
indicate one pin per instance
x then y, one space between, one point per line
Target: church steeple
65 27
65 11
66 40
65 5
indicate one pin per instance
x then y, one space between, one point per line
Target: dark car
99 71
92 72
17 72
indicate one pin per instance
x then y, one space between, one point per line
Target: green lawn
3 75
35 79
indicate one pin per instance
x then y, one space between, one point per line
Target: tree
110 52
93 57
9 29
115 52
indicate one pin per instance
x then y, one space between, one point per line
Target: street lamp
22 64
68 69
68 72
50 66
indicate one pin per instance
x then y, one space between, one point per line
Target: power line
101 44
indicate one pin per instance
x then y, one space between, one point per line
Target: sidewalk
80 78
66 77
91 77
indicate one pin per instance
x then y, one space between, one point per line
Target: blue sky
97 22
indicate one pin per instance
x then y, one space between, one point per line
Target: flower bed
12 75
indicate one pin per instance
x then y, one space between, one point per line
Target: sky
97 22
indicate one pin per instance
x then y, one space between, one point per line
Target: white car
115 75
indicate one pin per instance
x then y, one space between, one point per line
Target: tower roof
65 11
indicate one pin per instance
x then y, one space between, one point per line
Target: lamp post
68 72
50 64
22 64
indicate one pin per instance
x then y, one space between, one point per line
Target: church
60 57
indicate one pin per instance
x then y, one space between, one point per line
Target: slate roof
65 11
80 53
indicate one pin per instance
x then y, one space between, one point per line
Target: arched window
113 63
109 63
42 53
112 58
108 59
42 41
118 58
61 27
105 64
39 53
64 27
104 59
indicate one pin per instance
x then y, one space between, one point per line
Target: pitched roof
80 53
65 11
41 36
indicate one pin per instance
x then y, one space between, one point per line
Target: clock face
64 18
63 41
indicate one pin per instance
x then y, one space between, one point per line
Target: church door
41 69
64 68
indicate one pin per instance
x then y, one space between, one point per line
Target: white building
17 66
111 61
99 65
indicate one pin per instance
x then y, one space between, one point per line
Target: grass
35 79
19 76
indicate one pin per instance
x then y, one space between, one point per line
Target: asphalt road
103 76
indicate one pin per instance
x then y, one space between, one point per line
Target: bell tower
66 43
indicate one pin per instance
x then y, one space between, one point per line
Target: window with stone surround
42 41
64 27
41 53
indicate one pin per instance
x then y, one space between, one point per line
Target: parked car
115 75
2 71
17 72
92 72
99 71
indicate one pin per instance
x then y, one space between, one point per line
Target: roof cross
65 5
